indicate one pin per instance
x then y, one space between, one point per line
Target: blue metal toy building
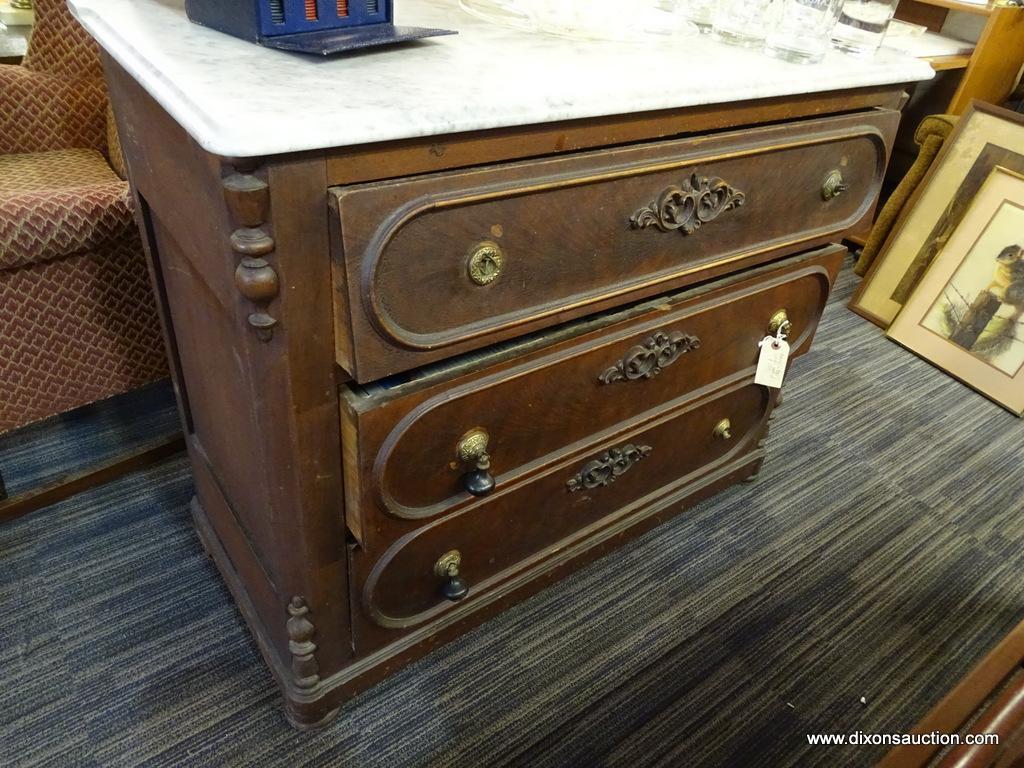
307 26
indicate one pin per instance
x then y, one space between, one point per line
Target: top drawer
437 265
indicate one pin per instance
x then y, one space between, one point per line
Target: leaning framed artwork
966 315
985 137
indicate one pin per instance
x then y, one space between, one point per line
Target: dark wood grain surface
520 527
401 459
571 238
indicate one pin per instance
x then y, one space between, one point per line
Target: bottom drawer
570 502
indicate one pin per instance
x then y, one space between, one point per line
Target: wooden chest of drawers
417 390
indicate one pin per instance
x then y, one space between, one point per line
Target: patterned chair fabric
55 204
78 321
56 99
76 330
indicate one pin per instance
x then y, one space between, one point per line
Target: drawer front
570 502
429 267
402 449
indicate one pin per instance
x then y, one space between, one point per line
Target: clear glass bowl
585 19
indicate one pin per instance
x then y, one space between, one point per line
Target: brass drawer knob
779 322
472 453
447 568
723 430
834 185
486 263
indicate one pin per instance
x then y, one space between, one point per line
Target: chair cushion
54 204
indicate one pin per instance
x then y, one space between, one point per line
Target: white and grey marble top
13 41
239 99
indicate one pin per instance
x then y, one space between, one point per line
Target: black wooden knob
447 568
454 588
479 482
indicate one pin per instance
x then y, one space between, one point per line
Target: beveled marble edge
13 40
237 99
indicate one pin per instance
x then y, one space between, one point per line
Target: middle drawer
411 447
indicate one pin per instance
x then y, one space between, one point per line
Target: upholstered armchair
77 316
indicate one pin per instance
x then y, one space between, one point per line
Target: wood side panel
996 63
923 14
260 587
264 410
962 704
216 376
343 342
351 464
405 158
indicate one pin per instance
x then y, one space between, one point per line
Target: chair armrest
935 125
930 135
40 112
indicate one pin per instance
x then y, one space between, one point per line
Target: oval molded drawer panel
433 266
402 444
569 502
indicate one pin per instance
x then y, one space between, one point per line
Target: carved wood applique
698 201
248 199
305 668
604 470
649 359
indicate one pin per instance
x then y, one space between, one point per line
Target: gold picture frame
967 314
985 137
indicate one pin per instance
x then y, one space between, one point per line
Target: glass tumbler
800 29
741 22
698 12
862 25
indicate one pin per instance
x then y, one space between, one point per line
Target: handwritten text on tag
771 365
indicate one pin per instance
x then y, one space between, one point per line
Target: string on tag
780 336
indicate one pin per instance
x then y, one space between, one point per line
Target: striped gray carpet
878 556
90 436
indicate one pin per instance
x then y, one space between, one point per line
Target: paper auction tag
771 365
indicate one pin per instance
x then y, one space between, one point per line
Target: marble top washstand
240 100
